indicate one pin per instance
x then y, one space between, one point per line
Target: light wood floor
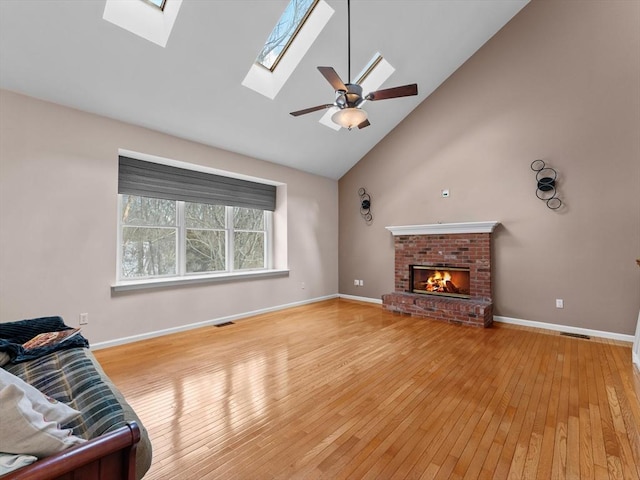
341 389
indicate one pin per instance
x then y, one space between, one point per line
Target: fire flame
438 282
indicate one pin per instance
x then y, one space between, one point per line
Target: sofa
100 438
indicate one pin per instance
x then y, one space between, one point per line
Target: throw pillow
51 409
10 462
30 432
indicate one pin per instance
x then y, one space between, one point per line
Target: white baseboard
361 299
565 328
635 351
515 321
206 323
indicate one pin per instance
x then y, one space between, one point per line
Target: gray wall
560 82
58 226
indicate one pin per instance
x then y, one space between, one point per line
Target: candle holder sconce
546 184
365 205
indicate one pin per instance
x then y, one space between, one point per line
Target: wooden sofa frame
107 457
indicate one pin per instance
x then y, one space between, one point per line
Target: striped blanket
70 376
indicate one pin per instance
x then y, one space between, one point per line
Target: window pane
205 251
248 250
158 3
284 31
201 215
144 211
248 219
148 252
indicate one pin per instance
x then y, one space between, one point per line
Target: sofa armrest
106 457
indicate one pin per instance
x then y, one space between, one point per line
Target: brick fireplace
438 247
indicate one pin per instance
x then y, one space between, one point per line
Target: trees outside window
165 238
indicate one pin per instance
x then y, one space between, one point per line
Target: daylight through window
156 3
284 32
168 238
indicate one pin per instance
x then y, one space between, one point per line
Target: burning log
451 288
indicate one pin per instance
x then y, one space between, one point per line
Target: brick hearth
469 246
472 311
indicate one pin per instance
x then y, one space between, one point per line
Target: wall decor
365 205
546 184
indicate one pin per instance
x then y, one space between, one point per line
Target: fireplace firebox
440 280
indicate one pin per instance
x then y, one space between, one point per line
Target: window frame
182 276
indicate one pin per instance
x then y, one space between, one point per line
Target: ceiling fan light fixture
349 117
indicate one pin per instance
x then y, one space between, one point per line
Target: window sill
194 279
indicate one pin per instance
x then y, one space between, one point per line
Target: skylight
373 63
284 32
150 19
157 3
268 82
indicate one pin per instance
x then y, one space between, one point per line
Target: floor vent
575 335
223 324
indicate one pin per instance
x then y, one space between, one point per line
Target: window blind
148 179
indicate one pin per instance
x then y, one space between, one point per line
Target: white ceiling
64 52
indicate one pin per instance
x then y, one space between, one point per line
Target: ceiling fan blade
312 109
403 91
332 77
364 124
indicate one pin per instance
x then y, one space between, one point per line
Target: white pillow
50 408
10 462
26 430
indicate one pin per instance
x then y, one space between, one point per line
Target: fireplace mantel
444 228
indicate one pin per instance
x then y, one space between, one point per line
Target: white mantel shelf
444 228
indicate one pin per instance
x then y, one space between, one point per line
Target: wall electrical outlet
84 319
302 285
559 303
356 282
361 283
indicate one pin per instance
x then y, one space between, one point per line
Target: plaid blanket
70 376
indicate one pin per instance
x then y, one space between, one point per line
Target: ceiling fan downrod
348 40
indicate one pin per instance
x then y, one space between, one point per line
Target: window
263 76
157 3
209 239
176 222
152 20
373 63
284 32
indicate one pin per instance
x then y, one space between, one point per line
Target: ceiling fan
349 98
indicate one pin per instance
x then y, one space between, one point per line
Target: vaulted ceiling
64 52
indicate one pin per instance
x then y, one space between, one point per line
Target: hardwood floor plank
510 447
538 448
343 390
624 379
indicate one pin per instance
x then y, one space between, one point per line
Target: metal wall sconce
365 205
546 187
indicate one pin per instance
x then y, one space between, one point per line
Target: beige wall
560 82
58 222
